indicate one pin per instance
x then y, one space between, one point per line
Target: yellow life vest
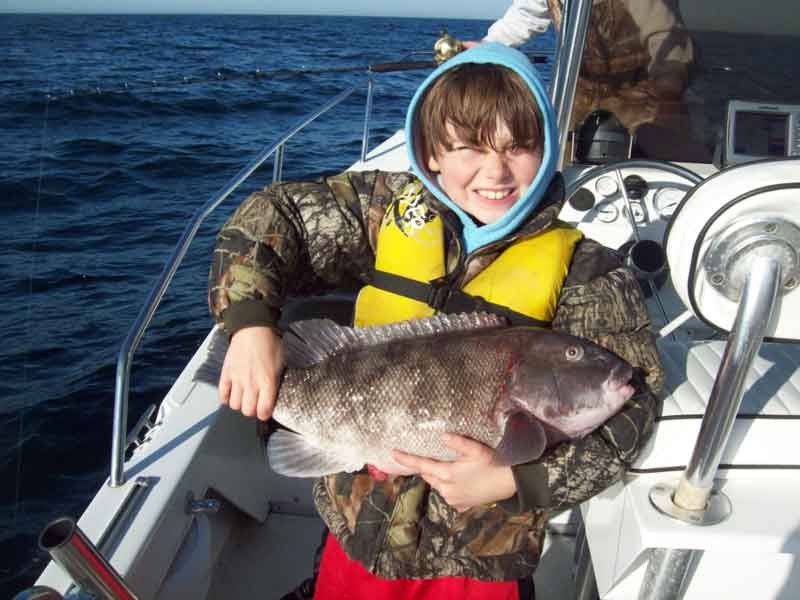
526 278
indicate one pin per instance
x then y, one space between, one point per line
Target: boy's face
482 181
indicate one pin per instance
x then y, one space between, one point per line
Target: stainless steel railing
134 337
367 117
694 501
570 53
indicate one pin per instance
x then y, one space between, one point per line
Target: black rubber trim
726 170
722 466
750 417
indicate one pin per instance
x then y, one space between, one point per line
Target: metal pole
277 167
367 118
573 40
752 318
136 332
695 501
74 552
666 573
556 87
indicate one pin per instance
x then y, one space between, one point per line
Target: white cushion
767 427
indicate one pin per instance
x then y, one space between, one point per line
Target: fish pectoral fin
524 440
291 455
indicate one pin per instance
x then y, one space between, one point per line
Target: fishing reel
446 47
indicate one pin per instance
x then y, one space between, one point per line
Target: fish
349 396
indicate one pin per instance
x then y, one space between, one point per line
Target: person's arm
609 309
669 44
291 238
522 20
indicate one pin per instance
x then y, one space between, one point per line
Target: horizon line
232 14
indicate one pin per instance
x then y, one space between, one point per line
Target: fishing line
419 59
224 75
26 354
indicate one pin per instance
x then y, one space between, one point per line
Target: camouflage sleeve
601 301
297 238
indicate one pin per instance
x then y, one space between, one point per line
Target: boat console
709 507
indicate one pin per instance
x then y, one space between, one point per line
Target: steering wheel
645 257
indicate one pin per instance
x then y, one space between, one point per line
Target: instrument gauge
606 186
638 212
666 201
582 200
607 213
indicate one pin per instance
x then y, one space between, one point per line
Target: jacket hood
476 236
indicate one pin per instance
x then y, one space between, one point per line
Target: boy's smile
483 181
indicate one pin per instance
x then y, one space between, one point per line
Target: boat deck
267 560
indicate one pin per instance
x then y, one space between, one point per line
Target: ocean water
113 131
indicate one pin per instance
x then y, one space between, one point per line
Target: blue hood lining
476 236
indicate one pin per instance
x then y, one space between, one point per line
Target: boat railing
137 330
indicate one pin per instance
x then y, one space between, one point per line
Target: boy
473 229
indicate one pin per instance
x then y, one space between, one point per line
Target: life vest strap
441 295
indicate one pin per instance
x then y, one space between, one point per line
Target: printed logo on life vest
409 212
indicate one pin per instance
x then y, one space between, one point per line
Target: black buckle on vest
439 293
444 298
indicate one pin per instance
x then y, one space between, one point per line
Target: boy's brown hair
472 97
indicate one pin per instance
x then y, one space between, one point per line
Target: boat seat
766 428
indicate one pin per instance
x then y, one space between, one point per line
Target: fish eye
574 353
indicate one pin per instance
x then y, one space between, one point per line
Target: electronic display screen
760 134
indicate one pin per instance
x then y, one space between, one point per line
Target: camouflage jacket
312 237
637 61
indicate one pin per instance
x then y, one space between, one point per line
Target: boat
710 222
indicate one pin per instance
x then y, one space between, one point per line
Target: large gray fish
353 395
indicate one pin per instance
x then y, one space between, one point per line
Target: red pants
341 578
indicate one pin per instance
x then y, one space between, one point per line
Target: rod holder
69 547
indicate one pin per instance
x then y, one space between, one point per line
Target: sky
782 16
465 9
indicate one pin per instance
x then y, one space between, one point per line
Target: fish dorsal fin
308 343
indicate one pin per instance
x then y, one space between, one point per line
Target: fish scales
401 395
352 395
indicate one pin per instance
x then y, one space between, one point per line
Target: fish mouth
620 380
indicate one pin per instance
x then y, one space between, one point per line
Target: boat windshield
661 79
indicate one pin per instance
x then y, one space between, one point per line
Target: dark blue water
113 131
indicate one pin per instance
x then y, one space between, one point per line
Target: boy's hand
251 372
470 480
